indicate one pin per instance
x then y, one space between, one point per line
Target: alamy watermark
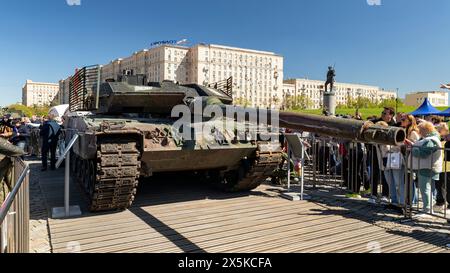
374 247
73 247
219 123
73 2
374 2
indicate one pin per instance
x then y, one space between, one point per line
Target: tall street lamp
396 102
358 93
445 86
303 96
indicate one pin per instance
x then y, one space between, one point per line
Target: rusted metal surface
111 180
342 128
256 170
8 149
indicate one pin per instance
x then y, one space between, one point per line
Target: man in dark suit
50 132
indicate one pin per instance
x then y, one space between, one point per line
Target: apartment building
257 75
436 98
39 93
313 89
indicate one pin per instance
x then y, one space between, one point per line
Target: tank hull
158 153
112 153
193 160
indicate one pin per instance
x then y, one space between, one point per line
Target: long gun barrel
8 149
343 128
326 126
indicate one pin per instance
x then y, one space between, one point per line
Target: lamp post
321 101
302 96
359 93
287 98
396 102
445 86
373 96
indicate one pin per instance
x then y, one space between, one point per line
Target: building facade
313 90
436 98
167 62
39 93
257 75
63 94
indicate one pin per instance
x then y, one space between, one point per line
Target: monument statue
330 79
329 98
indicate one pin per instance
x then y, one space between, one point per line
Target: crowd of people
36 136
422 161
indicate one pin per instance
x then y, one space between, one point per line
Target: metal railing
426 184
15 212
322 162
225 86
357 168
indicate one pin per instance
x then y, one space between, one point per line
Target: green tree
40 110
25 111
289 103
304 102
363 102
391 103
274 101
301 102
241 102
20 109
54 103
351 103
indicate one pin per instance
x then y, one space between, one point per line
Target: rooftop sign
169 42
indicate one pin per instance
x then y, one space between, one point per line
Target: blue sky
401 44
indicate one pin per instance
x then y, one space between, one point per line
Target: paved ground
184 217
39 232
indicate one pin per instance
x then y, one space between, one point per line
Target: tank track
113 177
255 171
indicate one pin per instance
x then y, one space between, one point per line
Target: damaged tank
127 130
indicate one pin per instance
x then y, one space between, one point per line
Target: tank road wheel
252 172
230 179
91 177
79 171
85 175
73 163
115 175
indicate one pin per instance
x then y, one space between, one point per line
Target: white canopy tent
59 111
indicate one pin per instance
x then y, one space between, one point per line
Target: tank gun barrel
343 128
326 126
8 149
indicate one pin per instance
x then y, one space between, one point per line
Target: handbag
394 161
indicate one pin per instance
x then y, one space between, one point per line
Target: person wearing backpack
50 132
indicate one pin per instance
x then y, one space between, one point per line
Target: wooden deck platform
173 215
